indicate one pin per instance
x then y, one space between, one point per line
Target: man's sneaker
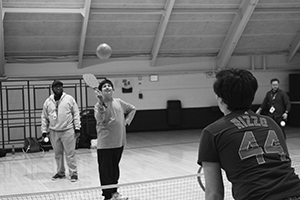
74 178
58 176
118 196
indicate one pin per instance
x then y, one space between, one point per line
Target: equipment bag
31 145
2 153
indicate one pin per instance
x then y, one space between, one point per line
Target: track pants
63 142
108 166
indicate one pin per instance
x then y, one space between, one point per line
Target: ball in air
103 51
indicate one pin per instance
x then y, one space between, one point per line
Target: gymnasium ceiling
70 30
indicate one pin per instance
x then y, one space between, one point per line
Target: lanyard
273 96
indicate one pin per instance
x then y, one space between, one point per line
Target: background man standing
61 120
276 104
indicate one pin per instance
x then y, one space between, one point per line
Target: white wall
184 79
194 90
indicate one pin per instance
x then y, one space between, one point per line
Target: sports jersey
252 150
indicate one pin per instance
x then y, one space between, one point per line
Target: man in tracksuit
61 120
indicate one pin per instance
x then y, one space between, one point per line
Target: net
184 187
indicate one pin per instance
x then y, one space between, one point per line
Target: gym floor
147 156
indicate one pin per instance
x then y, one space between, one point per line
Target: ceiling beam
86 15
2 56
140 11
161 31
43 10
148 11
235 31
294 48
145 10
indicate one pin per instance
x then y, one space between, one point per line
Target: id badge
272 109
54 116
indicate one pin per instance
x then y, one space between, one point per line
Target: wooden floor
147 156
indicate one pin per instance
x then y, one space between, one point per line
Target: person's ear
219 99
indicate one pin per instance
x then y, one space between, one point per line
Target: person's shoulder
225 122
50 98
119 100
282 91
65 95
217 126
124 103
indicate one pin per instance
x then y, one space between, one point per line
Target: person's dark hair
236 87
103 82
274 79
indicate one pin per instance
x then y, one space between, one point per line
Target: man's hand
45 137
284 116
126 122
93 144
77 133
99 95
45 134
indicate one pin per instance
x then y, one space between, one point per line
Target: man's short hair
236 87
274 79
104 82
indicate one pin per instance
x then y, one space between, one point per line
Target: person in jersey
249 147
112 115
276 104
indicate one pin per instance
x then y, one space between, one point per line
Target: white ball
282 123
103 51
46 139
